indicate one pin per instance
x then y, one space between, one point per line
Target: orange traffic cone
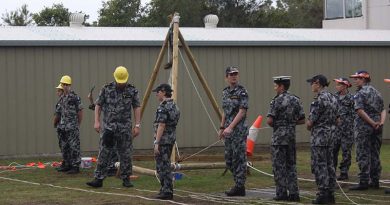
252 136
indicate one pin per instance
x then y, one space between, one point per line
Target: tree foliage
19 17
119 13
57 15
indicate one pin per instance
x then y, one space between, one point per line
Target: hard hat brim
121 80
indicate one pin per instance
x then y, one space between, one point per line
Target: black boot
236 191
343 176
321 199
331 198
95 183
358 187
73 170
64 169
281 197
374 185
62 166
165 196
127 183
293 197
387 191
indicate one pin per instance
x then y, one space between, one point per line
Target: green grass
206 185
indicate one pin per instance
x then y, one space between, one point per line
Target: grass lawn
47 186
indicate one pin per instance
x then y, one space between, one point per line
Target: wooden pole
154 74
201 77
175 66
192 166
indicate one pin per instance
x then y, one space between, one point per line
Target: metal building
32 60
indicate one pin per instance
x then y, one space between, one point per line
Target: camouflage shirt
285 110
371 101
69 106
168 113
323 114
234 99
57 111
345 110
116 105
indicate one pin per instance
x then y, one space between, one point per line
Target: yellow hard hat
60 86
66 80
121 75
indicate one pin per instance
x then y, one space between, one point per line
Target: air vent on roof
76 19
210 21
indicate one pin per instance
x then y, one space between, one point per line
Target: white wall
376 15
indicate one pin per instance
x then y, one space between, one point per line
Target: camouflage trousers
368 145
69 141
121 141
163 168
60 145
235 158
284 169
323 169
344 141
113 157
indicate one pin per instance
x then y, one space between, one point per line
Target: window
353 8
335 9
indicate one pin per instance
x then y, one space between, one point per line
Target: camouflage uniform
113 158
285 110
368 140
235 144
168 113
344 132
61 141
116 105
323 115
68 128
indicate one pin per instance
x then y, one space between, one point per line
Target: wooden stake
154 74
175 67
201 77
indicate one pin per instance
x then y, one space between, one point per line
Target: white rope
202 150
341 189
197 92
177 150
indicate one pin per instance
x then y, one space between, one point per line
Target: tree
119 13
157 11
57 15
20 17
304 13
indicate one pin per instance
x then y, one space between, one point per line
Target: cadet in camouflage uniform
70 120
368 126
167 117
114 155
234 130
387 191
57 117
344 131
322 124
116 100
285 113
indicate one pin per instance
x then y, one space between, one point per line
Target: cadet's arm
270 121
80 116
137 115
241 113
56 120
160 131
361 113
301 121
383 117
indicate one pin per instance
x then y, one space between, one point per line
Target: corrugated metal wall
29 75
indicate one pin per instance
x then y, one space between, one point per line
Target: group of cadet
335 121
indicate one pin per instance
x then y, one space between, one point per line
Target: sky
89 7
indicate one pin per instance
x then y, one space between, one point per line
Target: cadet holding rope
234 129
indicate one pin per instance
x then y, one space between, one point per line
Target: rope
204 149
197 92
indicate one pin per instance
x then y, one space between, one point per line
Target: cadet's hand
156 151
97 127
227 131
135 132
309 125
220 134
